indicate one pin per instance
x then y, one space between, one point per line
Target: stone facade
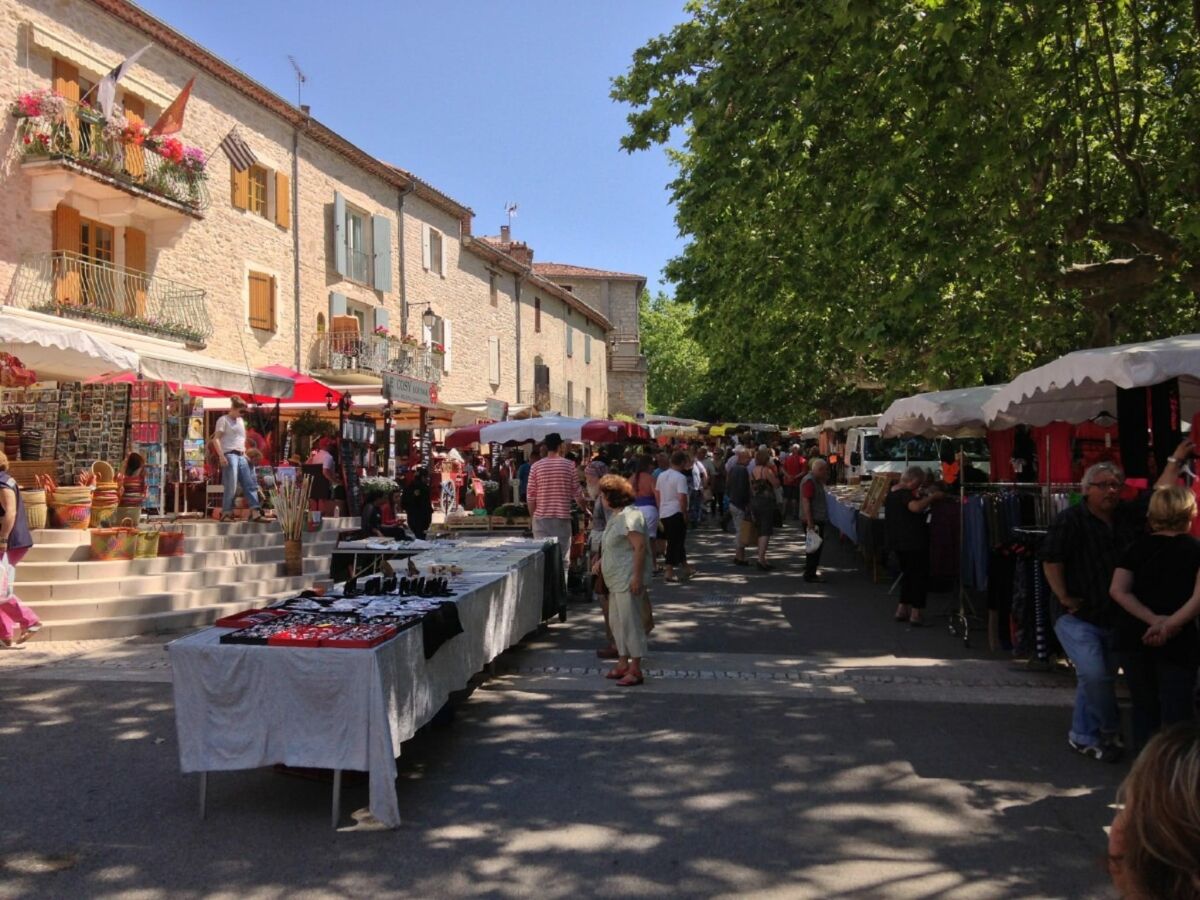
484 297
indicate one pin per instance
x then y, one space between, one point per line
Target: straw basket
170 543
132 513
113 543
293 557
146 544
70 507
104 472
35 508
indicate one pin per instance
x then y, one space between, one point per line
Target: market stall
302 696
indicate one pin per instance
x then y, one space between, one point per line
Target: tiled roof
428 192
564 270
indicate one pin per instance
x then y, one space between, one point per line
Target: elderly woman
595 471
626 565
1157 585
1154 842
17 621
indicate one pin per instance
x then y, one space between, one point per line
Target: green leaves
888 193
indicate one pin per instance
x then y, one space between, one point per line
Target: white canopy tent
62 352
1082 385
850 422
956 414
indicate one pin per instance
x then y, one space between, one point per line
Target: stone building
318 255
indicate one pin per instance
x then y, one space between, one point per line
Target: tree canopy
882 197
678 381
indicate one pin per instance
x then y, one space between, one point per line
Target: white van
867 453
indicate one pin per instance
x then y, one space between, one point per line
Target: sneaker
1109 753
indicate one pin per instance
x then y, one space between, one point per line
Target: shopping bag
812 541
748 533
8 575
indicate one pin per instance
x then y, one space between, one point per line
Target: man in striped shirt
553 484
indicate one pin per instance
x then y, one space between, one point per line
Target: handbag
748 533
812 541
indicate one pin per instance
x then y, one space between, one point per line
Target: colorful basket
113 543
170 543
146 545
131 513
75 516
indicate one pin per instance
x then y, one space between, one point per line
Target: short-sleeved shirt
1088 548
671 483
231 433
906 531
1164 577
553 484
793 469
737 486
616 554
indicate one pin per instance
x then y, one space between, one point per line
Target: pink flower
172 149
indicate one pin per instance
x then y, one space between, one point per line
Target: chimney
520 252
506 234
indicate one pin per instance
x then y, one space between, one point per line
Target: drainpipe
296 237
517 279
400 195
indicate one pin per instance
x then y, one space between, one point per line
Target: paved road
791 741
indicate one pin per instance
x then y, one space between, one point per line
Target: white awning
1081 385
168 364
62 352
850 422
957 413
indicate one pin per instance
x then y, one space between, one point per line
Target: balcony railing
52 128
372 354
78 287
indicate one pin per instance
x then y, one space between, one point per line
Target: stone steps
226 567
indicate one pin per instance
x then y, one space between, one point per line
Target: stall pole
203 795
337 796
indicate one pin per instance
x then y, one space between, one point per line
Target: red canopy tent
130 378
305 389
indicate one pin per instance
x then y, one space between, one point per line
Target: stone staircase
225 567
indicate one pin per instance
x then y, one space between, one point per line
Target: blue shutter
339 234
337 306
381 317
381 241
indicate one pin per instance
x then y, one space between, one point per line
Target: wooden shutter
67 244
337 306
587 348
381 243
537 314
381 318
570 339
135 276
262 301
135 156
426 252
442 248
283 200
339 234
239 187
66 83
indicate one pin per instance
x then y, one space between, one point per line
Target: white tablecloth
246 706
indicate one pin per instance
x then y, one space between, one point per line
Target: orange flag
171 121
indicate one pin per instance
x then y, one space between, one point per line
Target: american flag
241 157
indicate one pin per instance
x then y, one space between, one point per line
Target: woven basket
76 516
103 471
146 545
170 543
103 514
35 508
113 543
132 513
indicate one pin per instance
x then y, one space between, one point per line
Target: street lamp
428 317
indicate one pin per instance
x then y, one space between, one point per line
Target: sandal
617 672
227 517
631 680
27 633
257 516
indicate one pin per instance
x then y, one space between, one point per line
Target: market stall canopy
193 390
303 389
849 422
1080 386
521 431
957 414
810 433
62 352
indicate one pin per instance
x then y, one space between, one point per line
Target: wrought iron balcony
349 354
54 130
78 287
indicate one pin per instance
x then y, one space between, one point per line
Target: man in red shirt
553 484
795 467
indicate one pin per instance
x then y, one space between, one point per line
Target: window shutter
537 314
239 188
446 343
494 360
426 256
570 339
339 233
283 200
67 239
66 229
381 317
135 249
381 241
587 349
66 83
262 301
442 247
337 305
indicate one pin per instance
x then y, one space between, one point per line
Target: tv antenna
510 210
301 78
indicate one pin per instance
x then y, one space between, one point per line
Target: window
570 339
262 301
358 259
494 360
435 252
587 349
95 241
587 402
567 287
494 288
537 314
256 200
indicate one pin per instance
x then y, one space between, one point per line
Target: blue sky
490 102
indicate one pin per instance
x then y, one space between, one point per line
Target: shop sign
402 389
497 410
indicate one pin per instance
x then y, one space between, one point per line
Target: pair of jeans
1162 691
237 471
812 561
1090 648
559 529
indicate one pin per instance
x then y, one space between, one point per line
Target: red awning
305 390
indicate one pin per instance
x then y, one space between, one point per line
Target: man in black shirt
1078 556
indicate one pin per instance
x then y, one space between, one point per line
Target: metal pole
337 796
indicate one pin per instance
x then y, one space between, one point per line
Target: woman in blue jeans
1157 585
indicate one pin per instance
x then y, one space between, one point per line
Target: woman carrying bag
17 621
